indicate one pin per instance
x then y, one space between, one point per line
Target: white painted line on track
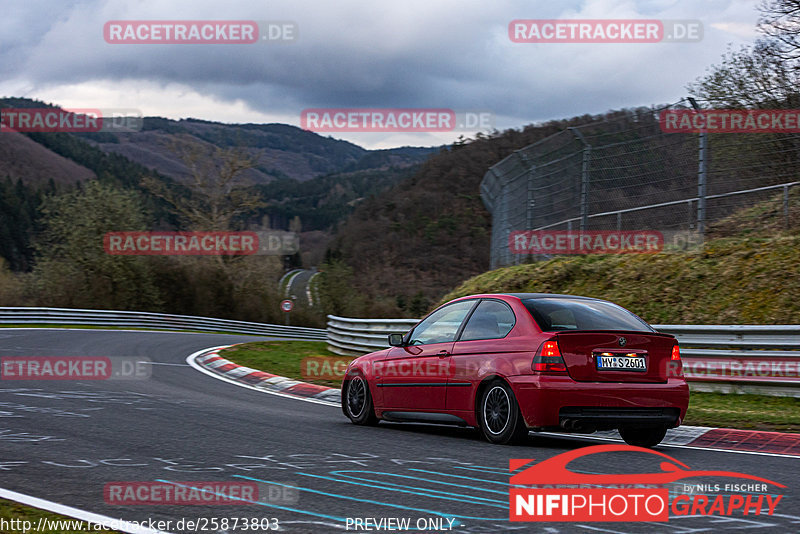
140 330
77 513
191 361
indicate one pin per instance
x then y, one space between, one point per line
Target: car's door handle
443 353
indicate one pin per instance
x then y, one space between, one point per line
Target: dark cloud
432 53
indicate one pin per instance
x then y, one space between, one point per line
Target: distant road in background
296 285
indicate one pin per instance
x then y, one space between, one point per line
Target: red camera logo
552 501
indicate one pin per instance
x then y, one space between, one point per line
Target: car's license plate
620 363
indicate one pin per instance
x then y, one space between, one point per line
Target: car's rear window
552 314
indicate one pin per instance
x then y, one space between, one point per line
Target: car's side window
492 320
442 325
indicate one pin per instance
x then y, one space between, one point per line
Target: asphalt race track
65 440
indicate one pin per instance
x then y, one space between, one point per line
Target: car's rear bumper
550 401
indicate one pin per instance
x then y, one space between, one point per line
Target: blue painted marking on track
486 470
444 515
422 492
460 476
344 474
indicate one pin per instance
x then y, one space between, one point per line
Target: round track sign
287 305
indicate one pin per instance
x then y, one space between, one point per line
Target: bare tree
217 191
753 78
780 23
764 75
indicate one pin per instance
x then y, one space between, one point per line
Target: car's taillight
548 359
675 363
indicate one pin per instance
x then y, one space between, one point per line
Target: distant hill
283 151
300 174
22 158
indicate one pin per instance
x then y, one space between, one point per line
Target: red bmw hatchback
510 363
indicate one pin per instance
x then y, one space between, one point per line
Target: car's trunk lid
616 356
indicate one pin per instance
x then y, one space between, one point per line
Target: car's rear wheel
358 402
499 416
643 436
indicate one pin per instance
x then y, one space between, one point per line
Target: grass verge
754 412
14 516
728 281
286 358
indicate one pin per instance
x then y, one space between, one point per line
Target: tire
499 417
357 402
647 437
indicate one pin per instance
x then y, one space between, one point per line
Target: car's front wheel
499 416
643 436
358 402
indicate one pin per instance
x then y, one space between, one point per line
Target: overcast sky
452 54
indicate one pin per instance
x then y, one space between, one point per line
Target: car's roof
525 296
547 295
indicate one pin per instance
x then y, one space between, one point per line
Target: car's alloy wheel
358 402
356 396
499 416
496 410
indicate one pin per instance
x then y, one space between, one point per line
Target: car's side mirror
396 340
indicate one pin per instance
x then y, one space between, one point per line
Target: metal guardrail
353 337
131 319
762 359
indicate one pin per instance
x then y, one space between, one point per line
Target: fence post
701 177
529 168
587 154
786 205
493 205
